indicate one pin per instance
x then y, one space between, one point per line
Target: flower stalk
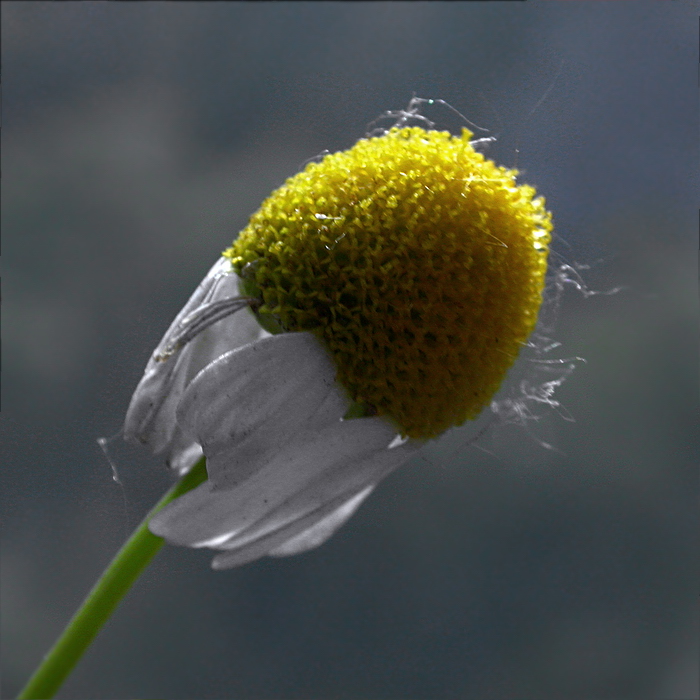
106 594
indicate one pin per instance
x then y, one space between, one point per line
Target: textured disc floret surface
417 262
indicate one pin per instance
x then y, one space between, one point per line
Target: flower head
417 262
388 290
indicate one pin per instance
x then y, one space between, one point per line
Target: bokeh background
137 139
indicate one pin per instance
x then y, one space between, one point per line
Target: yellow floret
417 262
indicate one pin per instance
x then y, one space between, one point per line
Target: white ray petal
319 468
276 476
263 545
151 415
252 401
285 471
336 479
317 534
311 520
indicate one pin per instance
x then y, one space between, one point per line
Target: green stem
100 603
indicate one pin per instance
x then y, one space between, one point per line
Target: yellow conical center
417 262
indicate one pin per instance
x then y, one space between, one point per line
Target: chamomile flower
374 301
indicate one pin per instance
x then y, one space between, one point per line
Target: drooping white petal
280 460
269 542
331 466
151 417
323 529
308 517
314 469
252 402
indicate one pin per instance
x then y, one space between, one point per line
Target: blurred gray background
138 138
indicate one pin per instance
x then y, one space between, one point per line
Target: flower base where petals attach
285 470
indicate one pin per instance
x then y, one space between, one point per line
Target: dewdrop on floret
418 263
